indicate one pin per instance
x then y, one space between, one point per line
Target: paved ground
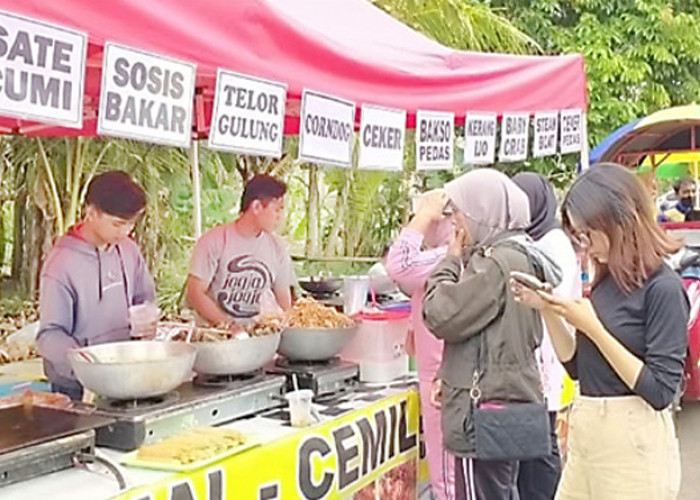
688 422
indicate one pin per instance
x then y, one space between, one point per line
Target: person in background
685 196
467 305
629 347
90 279
236 265
648 180
538 478
411 259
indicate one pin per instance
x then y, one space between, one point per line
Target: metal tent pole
196 188
585 161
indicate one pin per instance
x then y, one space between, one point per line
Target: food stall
169 76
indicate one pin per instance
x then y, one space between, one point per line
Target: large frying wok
133 369
235 356
321 286
314 344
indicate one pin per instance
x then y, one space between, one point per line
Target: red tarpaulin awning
347 48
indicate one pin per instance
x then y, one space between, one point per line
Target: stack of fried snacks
308 313
192 446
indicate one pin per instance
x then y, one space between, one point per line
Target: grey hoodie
83 299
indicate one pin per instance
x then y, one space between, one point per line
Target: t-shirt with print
239 269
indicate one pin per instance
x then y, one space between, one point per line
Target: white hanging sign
480 138
326 129
42 70
146 96
382 136
514 134
434 140
546 127
248 115
571 130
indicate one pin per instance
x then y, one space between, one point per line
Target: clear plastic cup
300 407
355 290
143 319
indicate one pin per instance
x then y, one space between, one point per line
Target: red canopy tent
347 48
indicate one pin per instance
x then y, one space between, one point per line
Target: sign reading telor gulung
248 115
42 69
146 96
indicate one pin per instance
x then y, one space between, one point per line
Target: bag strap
480 368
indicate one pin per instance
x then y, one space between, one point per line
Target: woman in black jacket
629 346
489 339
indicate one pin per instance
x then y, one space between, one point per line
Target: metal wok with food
315 332
133 370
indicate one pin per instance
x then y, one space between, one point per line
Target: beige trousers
620 448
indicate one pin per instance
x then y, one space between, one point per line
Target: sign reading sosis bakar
42 69
369 453
146 96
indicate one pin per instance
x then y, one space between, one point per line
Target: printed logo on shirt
245 281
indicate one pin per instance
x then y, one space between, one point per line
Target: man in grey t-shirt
235 265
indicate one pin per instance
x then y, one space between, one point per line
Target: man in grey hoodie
91 277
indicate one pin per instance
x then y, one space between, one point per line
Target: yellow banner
366 454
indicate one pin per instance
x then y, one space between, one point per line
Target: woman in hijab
468 306
538 478
413 256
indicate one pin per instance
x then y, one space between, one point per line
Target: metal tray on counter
25 426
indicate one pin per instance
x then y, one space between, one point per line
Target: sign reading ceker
42 69
146 96
248 115
382 135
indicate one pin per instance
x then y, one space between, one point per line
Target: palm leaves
461 24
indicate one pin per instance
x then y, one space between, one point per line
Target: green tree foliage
641 56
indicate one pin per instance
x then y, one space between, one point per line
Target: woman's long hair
610 199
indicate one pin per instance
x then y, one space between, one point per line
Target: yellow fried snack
193 445
308 313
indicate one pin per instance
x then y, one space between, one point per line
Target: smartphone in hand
529 281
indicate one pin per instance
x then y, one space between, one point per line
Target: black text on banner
571 130
546 127
248 115
326 131
479 138
42 69
514 134
146 96
382 136
434 140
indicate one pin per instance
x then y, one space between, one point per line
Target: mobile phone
529 281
